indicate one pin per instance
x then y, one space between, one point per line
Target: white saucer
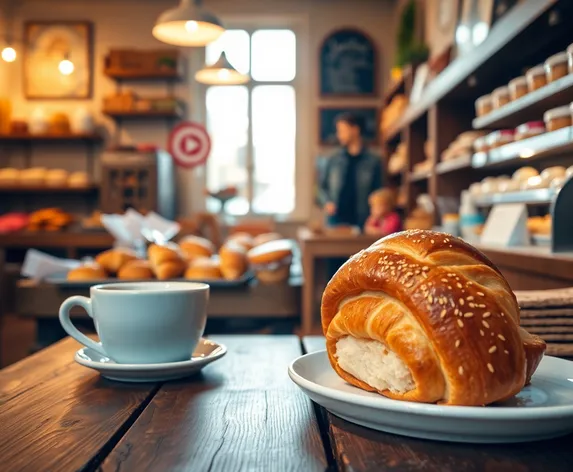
206 352
542 410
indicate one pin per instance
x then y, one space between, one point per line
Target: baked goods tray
60 280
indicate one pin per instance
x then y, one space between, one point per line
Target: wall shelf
43 189
4 138
463 162
530 107
117 74
542 196
151 114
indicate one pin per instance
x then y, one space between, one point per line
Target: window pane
274 55
228 125
274 132
235 43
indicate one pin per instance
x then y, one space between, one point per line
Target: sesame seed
481 305
470 283
410 284
461 370
424 274
506 351
492 349
481 332
468 315
469 299
460 323
442 301
485 323
472 305
430 299
446 240
502 313
459 285
501 336
432 241
425 268
449 287
458 343
443 313
487 314
452 303
444 280
417 272
461 300
490 368
481 294
456 312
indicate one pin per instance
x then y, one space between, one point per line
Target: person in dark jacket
349 176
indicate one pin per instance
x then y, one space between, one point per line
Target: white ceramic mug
144 322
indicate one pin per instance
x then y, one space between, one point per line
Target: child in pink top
383 219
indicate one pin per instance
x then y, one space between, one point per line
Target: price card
506 225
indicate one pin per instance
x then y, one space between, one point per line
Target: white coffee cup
143 322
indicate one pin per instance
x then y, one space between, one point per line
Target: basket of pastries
49 219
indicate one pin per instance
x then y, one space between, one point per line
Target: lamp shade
187 25
221 73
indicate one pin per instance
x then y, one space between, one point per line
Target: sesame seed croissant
425 317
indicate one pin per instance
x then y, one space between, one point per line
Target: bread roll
113 260
271 261
195 246
78 179
204 268
166 261
265 238
9 176
135 270
170 269
87 272
56 178
243 239
425 317
233 258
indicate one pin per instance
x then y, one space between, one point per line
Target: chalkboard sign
348 64
327 122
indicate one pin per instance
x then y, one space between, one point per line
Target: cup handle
68 326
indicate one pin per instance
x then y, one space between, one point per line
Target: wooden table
313 247
240 413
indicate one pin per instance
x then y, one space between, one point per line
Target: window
253 127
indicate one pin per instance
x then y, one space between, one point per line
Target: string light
66 67
9 54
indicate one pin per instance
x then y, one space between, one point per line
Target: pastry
244 239
113 260
265 238
233 257
204 268
9 176
56 178
78 179
166 261
195 246
135 269
33 176
425 317
87 272
271 261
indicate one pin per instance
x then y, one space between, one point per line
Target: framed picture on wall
58 60
327 117
348 65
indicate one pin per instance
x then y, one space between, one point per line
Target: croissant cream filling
373 363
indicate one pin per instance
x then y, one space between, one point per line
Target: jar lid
537 70
559 112
529 126
518 81
483 98
501 91
556 59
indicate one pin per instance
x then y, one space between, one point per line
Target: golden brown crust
113 260
87 272
265 238
204 269
195 246
170 269
272 251
233 257
136 270
243 239
442 307
159 254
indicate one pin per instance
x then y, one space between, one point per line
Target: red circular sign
189 144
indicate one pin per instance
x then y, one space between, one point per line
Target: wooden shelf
45 189
138 75
420 176
49 137
463 162
152 114
530 107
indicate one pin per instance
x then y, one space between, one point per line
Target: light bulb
191 26
66 67
9 54
223 74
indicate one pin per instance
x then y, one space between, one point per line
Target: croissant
425 317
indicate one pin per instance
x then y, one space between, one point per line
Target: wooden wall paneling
415 136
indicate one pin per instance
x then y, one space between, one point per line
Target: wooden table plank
359 449
58 415
242 413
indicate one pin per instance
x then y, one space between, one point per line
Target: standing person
349 176
348 179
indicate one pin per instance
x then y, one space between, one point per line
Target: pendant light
221 73
188 25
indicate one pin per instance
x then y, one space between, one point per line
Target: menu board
348 64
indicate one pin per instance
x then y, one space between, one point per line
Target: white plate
542 410
206 352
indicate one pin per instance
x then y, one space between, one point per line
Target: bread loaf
87 272
113 260
233 258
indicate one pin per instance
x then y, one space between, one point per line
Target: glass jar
529 129
557 118
556 67
483 105
518 88
500 97
499 138
480 144
536 78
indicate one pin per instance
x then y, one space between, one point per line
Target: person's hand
330 208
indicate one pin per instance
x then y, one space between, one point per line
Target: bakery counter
532 267
279 302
